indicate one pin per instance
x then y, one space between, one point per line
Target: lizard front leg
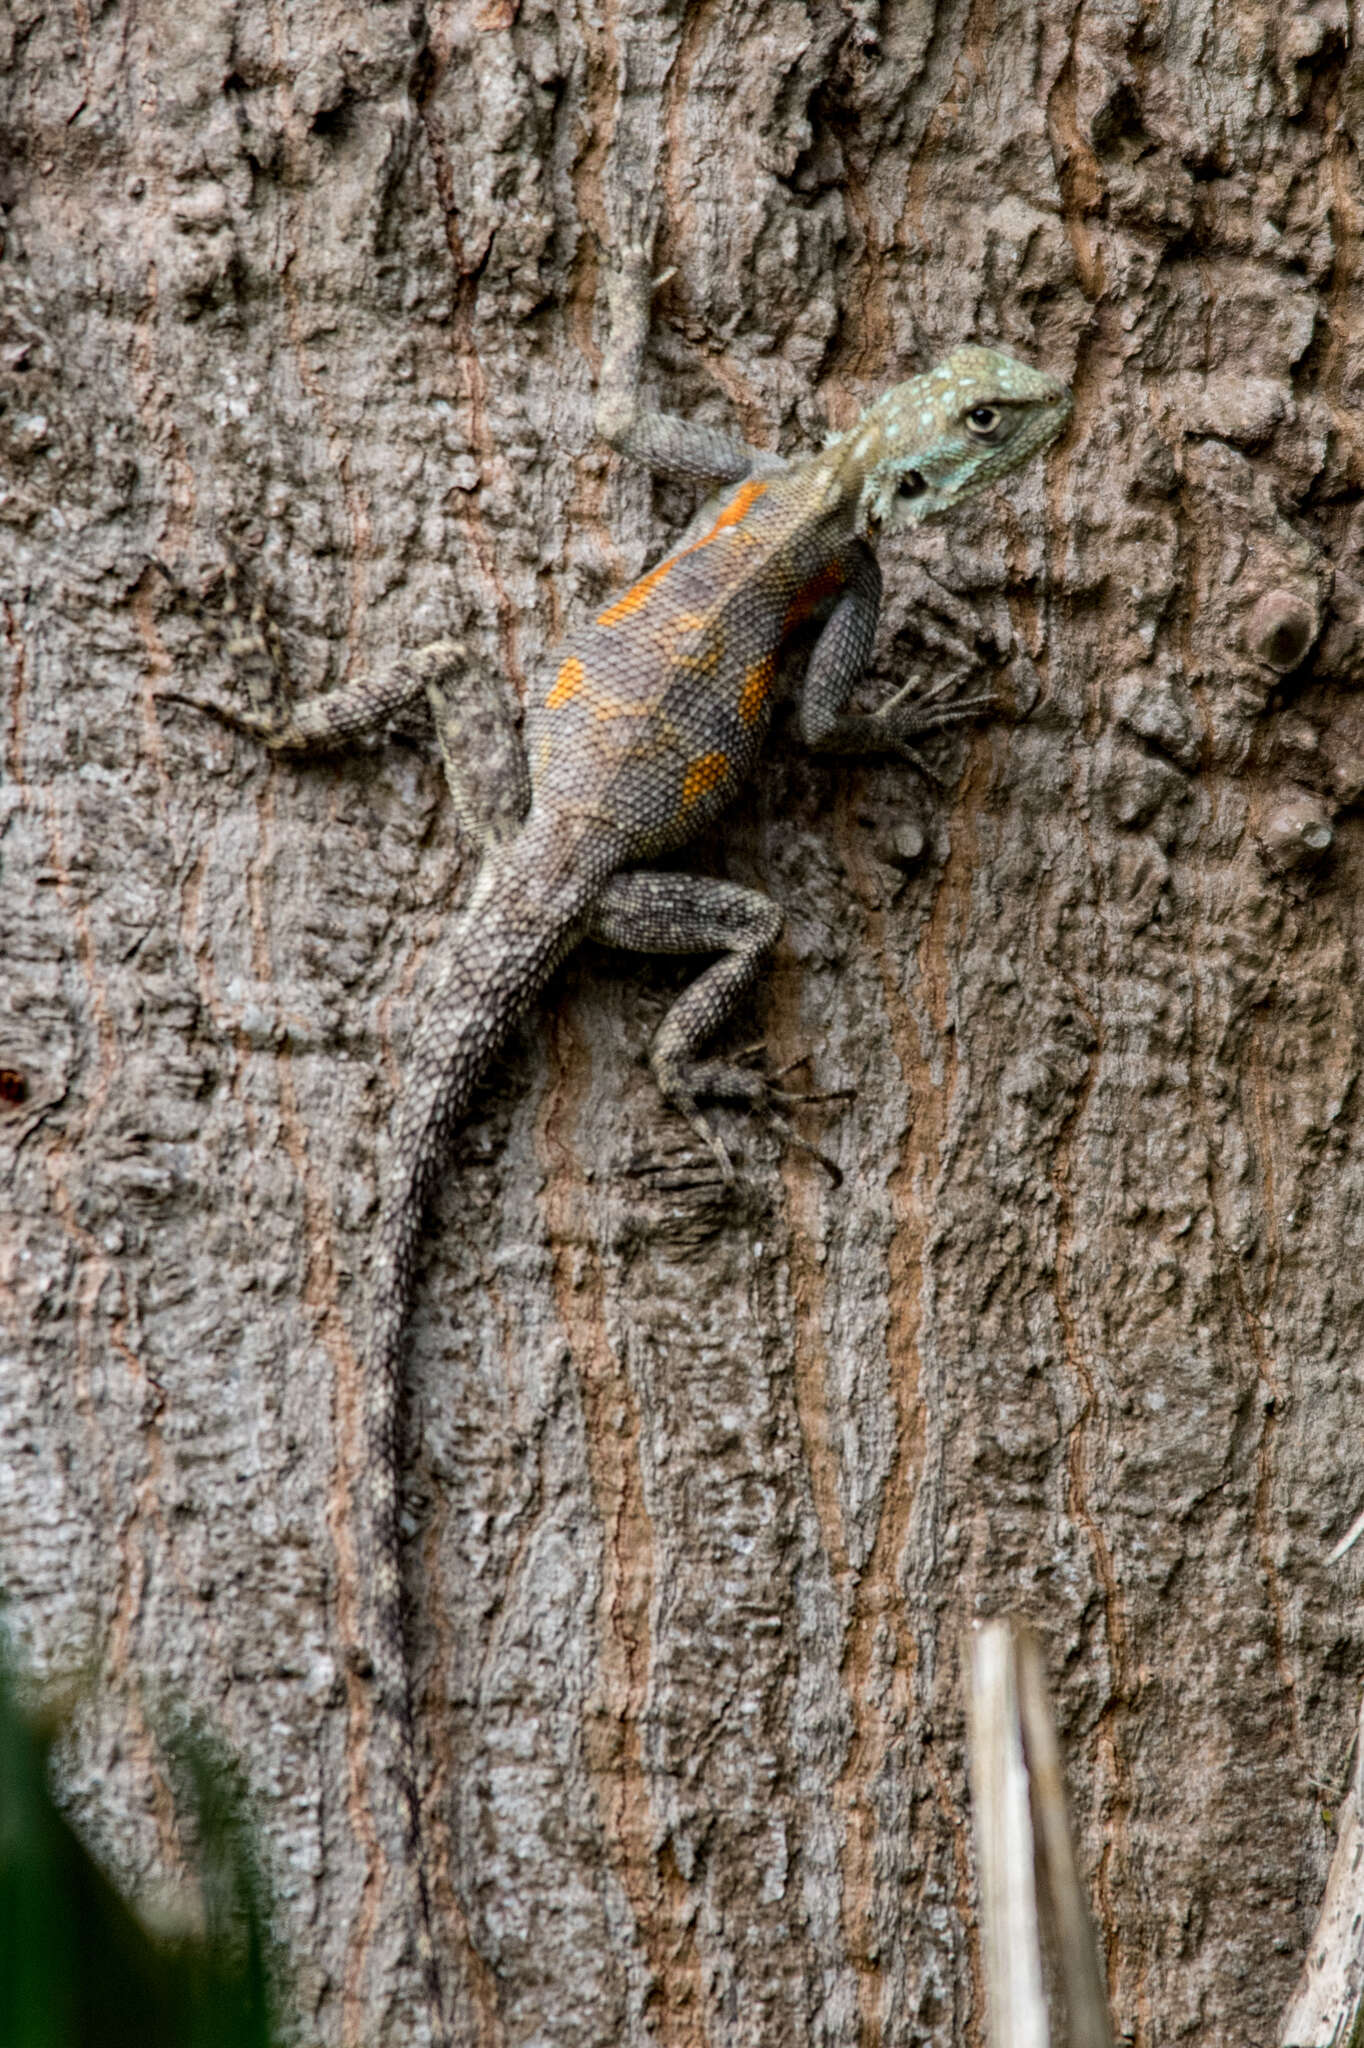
475 716
350 712
661 441
839 658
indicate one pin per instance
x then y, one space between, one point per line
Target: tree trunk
703 1489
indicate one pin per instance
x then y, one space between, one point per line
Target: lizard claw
724 1081
630 255
794 1097
791 1136
911 714
715 1144
274 731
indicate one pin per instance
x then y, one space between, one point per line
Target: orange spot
821 585
638 593
757 684
702 777
567 684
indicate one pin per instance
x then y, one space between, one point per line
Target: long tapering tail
493 962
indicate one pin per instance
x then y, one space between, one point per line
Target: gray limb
654 913
839 658
662 441
476 718
837 661
477 724
337 716
256 656
253 649
318 723
479 729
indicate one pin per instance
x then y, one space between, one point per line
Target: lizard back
653 713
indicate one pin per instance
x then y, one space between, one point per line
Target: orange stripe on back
567 684
742 502
635 596
638 593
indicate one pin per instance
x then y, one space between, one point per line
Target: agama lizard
646 722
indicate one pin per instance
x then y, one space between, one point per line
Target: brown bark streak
714 1483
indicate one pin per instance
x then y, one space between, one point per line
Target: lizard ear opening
891 498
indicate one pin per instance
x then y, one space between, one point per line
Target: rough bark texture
703 1492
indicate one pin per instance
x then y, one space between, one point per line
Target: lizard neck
833 480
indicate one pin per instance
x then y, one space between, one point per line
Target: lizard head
940 438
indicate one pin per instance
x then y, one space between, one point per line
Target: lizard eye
983 421
910 485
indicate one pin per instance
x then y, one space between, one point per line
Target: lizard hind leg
669 913
478 725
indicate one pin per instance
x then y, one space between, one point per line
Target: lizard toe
274 729
744 1088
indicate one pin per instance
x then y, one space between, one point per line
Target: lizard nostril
911 485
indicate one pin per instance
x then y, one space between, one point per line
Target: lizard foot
683 1086
329 718
911 714
630 259
273 726
254 649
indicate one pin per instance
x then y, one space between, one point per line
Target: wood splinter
1029 1885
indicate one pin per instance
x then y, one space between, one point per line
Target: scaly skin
645 723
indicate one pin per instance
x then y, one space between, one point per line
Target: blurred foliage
78 1969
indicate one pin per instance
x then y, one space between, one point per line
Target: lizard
646 721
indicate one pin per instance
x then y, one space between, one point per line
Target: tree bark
702 1490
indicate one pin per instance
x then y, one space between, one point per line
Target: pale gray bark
702 1492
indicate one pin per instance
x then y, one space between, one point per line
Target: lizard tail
493 962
